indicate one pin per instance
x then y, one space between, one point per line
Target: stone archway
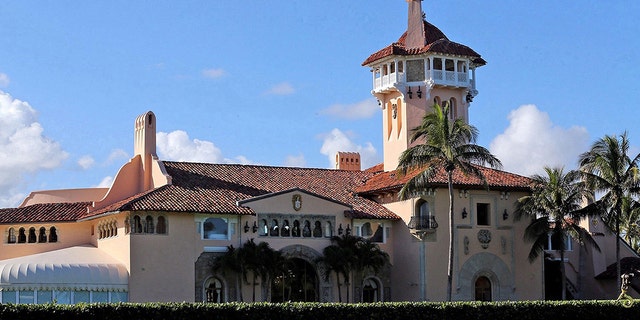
324 288
485 265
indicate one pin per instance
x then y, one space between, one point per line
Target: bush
524 310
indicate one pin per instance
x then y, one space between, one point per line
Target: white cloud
360 110
117 155
177 146
106 182
339 141
213 73
23 147
533 141
281 89
86 162
4 80
295 161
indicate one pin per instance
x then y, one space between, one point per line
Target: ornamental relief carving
484 237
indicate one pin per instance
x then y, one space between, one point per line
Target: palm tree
250 261
348 246
369 256
272 264
630 223
609 170
229 261
553 207
443 144
336 261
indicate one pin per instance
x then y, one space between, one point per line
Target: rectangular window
482 211
81 296
9 297
44 296
26 296
99 296
373 231
119 297
554 243
62 297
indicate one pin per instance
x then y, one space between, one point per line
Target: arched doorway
299 282
371 290
483 289
214 290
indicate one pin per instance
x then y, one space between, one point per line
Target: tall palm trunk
339 287
618 267
450 266
563 275
253 285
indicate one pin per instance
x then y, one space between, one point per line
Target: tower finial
415 28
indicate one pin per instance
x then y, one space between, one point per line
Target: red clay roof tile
47 212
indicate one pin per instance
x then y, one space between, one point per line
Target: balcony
389 82
426 224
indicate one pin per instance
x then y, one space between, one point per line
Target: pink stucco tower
421 68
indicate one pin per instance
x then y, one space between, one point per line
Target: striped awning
75 268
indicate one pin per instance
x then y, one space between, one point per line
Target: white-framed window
216 227
372 230
371 290
61 296
554 241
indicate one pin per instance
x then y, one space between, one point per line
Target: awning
75 268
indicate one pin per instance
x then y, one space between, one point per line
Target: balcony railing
427 223
439 77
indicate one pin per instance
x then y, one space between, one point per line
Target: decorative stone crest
484 236
296 200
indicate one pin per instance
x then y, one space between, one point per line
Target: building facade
152 236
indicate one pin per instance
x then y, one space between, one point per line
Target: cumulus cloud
105 183
117 155
295 161
23 147
86 162
337 140
213 73
281 89
4 80
359 110
532 141
177 146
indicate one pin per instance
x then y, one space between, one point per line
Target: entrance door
299 282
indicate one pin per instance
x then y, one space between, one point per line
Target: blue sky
280 82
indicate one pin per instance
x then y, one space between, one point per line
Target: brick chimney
349 161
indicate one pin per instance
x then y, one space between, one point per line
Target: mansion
152 235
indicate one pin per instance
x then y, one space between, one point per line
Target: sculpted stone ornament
484 236
296 200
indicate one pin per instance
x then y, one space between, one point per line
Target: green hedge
565 310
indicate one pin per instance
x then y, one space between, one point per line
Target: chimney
349 161
415 28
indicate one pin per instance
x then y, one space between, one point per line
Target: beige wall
69 234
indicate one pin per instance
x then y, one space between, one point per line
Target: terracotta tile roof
216 188
436 42
47 212
496 179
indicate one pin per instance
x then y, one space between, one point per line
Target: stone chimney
349 161
415 28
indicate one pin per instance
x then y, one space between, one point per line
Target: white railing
439 77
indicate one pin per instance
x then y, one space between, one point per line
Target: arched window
148 225
214 291
483 289
137 224
286 229
306 230
53 234
328 229
42 235
425 220
295 231
370 290
264 227
317 229
161 227
113 228
127 225
11 238
275 229
22 236
453 109
436 100
32 235
366 231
